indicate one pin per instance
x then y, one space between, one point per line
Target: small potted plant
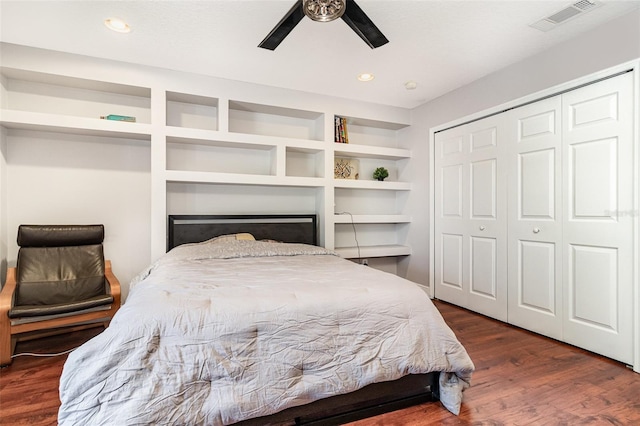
380 173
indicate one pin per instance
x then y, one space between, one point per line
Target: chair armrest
114 284
7 341
6 295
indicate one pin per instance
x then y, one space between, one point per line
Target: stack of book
341 135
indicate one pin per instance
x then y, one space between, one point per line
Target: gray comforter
220 332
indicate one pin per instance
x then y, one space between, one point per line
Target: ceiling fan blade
363 26
284 27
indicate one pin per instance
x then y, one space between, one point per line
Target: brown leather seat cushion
63 308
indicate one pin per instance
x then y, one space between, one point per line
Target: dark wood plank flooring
521 379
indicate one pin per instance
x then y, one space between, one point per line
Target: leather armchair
61 279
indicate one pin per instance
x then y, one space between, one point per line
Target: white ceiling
441 45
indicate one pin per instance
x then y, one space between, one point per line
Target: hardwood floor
521 379
29 386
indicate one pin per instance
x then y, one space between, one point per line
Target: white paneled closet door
534 145
470 222
598 223
534 216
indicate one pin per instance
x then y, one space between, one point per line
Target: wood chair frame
10 334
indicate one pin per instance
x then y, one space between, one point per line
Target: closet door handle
536 230
482 228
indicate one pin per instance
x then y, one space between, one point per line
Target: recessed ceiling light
117 25
365 76
410 85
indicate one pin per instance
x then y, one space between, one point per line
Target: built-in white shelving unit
216 148
54 103
370 218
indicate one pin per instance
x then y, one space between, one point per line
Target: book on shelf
341 134
116 117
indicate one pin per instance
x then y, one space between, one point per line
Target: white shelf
242 179
71 98
191 111
186 134
366 218
213 138
372 184
373 251
26 120
365 151
74 82
249 118
373 133
374 124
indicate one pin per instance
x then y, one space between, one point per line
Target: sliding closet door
534 143
470 222
598 227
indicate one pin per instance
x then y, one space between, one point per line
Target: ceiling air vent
563 15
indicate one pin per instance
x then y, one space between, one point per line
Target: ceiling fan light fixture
324 10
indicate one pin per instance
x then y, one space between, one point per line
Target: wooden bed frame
371 400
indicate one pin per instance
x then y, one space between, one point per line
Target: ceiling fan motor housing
324 10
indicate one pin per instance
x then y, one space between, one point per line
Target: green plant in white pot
380 173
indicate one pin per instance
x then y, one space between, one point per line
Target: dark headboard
291 228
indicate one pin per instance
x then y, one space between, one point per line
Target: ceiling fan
325 11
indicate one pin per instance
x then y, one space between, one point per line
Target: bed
246 321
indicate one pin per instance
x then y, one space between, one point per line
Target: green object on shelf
380 173
115 117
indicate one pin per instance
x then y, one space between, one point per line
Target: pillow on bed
231 237
245 236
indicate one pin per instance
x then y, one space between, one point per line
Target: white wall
71 179
3 189
3 205
613 43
